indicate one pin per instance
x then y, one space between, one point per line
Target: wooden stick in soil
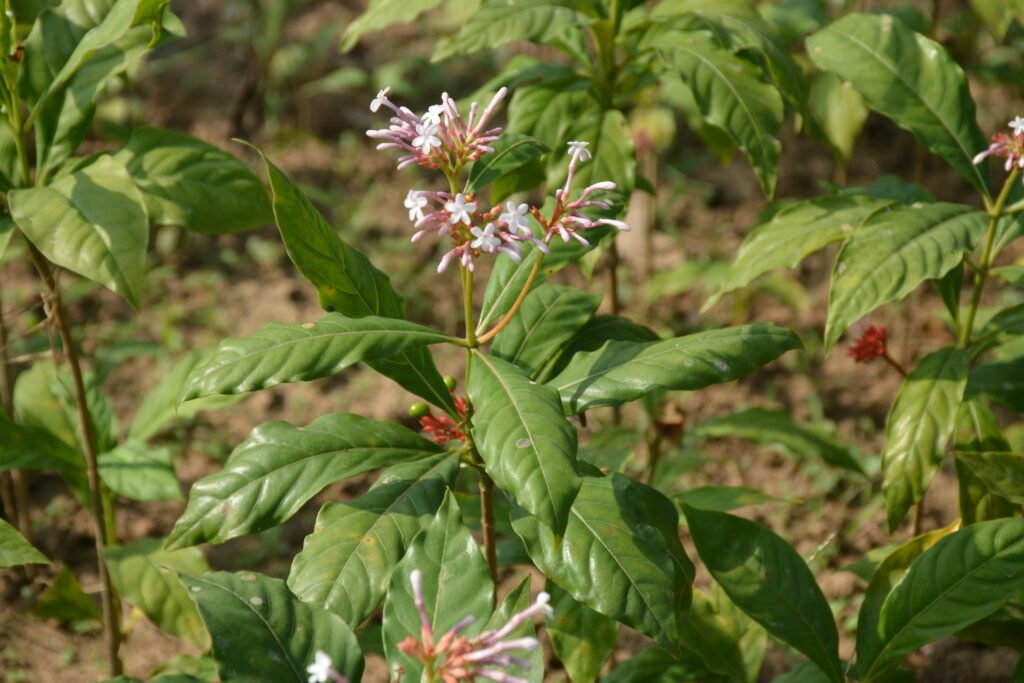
108 597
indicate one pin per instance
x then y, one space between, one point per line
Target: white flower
320 670
485 240
1017 125
381 97
578 148
433 115
460 209
515 218
426 137
415 201
621 225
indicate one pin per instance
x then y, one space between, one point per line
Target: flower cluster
321 671
870 345
443 429
442 139
456 658
1009 147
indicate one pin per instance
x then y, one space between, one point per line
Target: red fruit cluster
870 345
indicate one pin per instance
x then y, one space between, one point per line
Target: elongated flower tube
1009 147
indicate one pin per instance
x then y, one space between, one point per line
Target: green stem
985 263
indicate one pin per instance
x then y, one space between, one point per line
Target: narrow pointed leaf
528 447
910 79
456 584
15 550
144 575
347 283
261 632
611 559
919 426
619 372
591 337
549 317
295 353
793 234
963 578
894 252
92 222
280 467
347 561
769 581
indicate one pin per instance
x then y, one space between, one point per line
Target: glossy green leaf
732 98
37 403
548 318
280 467
347 561
582 639
140 472
729 643
591 337
92 222
920 424
655 665
724 498
144 575
611 147
261 632
1008 322
347 283
840 112
380 14
528 447
766 578
890 255
794 233
623 371
498 21
978 431
776 427
456 584
999 381
611 559
1002 473
15 550
23 447
295 353
191 183
964 577
908 78
511 152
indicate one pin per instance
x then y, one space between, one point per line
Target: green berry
449 382
419 410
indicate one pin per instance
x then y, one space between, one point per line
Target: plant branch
487 526
108 597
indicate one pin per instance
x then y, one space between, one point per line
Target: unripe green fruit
419 410
449 382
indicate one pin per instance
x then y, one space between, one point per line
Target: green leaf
499 21
776 427
140 472
346 282
612 560
891 254
999 381
592 336
840 112
623 371
723 498
6 233
511 152
37 403
1002 473
654 665
261 632
548 318
528 447
347 561
456 584
731 97
729 643
187 182
280 467
296 353
766 578
919 426
794 233
92 222
380 14
978 431
65 601
23 447
908 78
515 602
611 148
963 578
15 550
582 639
889 573
144 575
